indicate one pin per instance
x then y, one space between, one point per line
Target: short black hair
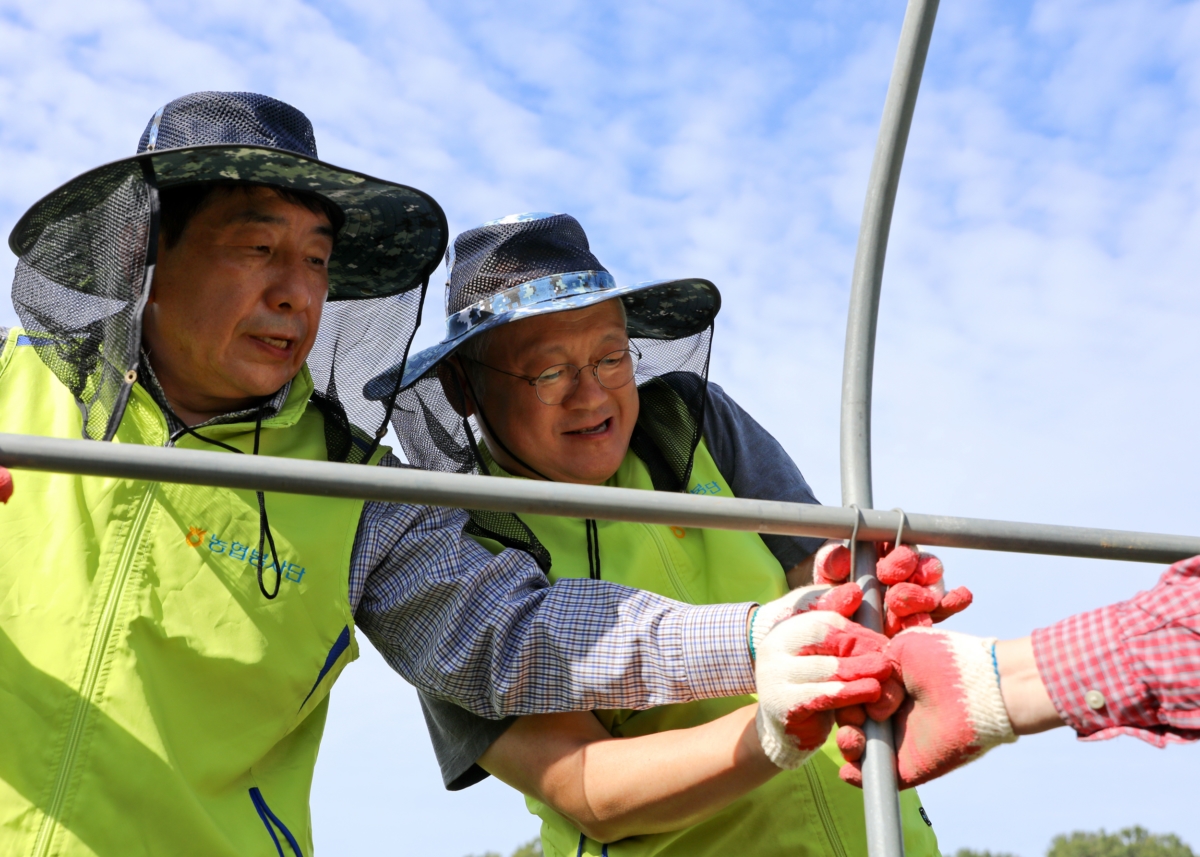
178 205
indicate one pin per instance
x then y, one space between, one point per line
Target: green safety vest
153 701
808 811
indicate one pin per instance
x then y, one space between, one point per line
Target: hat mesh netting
81 285
354 340
85 263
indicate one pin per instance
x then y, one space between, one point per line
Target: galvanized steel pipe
324 479
884 833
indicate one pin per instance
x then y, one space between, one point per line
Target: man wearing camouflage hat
167 651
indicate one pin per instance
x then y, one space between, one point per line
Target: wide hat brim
394 236
662 309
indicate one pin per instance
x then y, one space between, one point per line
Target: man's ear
454 385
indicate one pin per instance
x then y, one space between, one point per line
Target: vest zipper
91 673
818 793
665 555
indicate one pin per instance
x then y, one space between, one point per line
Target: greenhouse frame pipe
880 791
406 485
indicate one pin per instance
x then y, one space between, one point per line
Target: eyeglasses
556 384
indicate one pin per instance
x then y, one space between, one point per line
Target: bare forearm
674 779
1025 697
618 787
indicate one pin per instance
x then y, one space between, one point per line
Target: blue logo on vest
240 552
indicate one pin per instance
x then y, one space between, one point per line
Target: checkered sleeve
1131 668
489 633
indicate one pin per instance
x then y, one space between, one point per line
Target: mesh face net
672 380
355 339
672 384
81 284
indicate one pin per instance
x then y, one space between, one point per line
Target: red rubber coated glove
953 712
807 666
915 596
6 485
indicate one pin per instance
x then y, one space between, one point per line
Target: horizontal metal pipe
288 476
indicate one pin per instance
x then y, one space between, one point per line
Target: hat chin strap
494 434
589 525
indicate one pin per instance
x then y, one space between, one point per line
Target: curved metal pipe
884 835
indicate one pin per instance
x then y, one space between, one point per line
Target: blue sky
1036 356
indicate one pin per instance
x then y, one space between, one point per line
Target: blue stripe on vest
340 645
264 813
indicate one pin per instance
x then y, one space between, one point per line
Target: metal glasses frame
632 350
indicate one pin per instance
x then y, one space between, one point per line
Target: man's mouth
283 344
599 428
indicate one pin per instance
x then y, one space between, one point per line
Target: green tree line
1130 842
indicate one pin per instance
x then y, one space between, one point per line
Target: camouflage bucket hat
525 265
86 255
393 238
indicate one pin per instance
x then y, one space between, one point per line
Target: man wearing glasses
552 370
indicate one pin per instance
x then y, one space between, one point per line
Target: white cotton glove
954 711
916 595
843 599
808 665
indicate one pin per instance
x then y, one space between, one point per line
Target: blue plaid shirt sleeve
489 633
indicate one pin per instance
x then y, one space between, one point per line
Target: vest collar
283 410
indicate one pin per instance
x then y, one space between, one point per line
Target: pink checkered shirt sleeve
1131 668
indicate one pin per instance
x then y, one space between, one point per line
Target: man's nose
588 391
290 286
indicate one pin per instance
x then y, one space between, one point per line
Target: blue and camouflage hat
393 237
525 265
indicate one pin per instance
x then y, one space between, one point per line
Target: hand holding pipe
916 593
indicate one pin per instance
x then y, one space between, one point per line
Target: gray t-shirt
755 466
